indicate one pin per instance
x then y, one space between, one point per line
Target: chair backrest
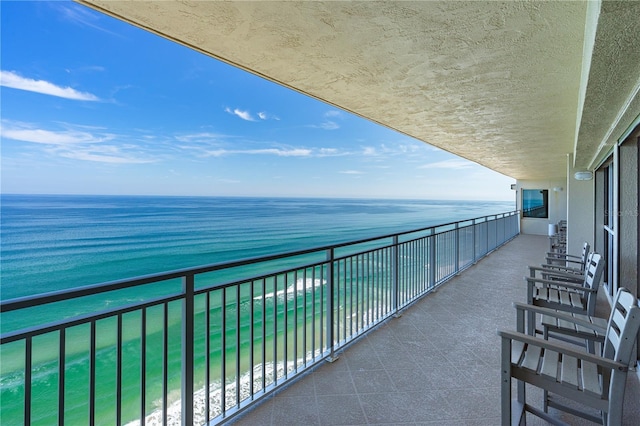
592 276
622 328
585 253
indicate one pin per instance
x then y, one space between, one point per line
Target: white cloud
76 144
407 149
330 152
351 172
216 153
200 137
104 154
392 150
454 163
49 137
90 68
292 152
369 150
245 115
328 125
83 16
15 81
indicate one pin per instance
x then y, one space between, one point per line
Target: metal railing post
508 228
511 227
473 226
395 272
456 235
487 236
432 259
329 307
187 349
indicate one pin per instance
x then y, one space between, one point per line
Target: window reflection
535 203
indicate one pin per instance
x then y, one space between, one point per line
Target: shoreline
174 410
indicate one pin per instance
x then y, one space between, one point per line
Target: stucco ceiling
498 83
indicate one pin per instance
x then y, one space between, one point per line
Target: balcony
398 357
438 363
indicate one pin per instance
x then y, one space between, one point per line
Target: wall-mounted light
558 189
583 175
513 186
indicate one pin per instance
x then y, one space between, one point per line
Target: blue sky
92 105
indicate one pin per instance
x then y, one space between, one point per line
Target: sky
93 105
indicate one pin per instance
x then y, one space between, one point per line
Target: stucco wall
580 210
557 204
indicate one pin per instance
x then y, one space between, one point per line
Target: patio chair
565 272
556 274
595 381
558 241
563 262
568 295
585 330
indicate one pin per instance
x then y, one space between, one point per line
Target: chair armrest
560 256
563 349
564 276
564 284
560 268
560 315
553 259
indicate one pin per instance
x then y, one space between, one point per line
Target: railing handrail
93 289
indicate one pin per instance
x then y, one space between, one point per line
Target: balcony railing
535 211
200 344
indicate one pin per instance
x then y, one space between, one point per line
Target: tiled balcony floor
437 364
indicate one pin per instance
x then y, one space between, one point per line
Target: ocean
55 242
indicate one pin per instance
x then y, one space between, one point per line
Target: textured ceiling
498 83
613 100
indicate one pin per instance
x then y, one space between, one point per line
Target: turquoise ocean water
54 242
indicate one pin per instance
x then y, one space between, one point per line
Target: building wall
580 210
557 204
